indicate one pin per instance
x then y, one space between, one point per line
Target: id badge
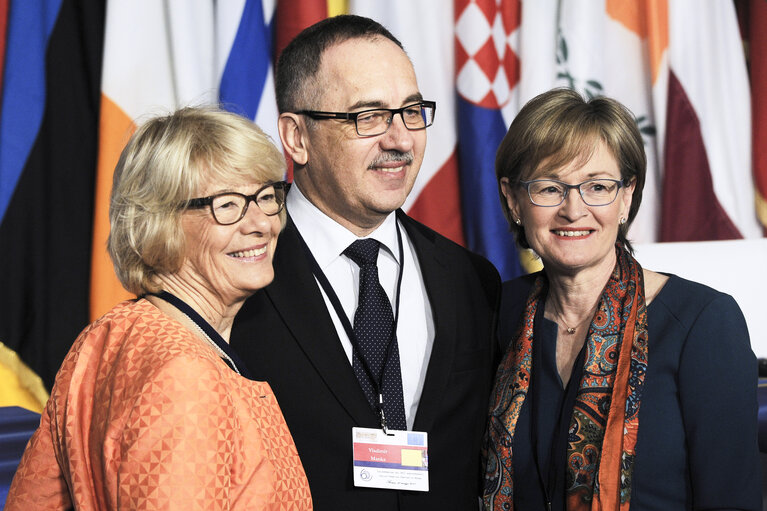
397 461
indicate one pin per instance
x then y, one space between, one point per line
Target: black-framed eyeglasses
376 121
594 192
230 207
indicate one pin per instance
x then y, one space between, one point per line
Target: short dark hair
559 127
300 61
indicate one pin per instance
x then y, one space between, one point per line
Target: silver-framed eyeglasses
376 121
230 207
594 192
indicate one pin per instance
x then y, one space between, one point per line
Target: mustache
392 156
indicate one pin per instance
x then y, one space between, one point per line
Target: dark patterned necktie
373 327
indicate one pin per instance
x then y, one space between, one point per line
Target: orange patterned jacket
144 415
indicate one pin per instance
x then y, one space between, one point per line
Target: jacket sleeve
718 384
39 482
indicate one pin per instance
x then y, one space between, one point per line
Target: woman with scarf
620 388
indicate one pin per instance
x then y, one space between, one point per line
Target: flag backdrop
48 147
78 76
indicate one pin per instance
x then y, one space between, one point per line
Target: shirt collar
326 238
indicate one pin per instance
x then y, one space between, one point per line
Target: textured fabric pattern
605 421
144 415
374 330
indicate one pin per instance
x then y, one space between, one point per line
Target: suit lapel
298 300
440 287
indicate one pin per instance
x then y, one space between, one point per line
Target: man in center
373 320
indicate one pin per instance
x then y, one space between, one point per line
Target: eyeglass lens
377 122
228 208
595 192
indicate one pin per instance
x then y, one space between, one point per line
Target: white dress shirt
327 239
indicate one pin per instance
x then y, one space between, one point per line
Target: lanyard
222 347
376 381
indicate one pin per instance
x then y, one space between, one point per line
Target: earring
518 221
622 221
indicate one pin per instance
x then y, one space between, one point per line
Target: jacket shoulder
462 260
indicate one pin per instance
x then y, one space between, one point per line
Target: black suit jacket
285 335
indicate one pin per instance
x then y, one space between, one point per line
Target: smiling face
229 262
356 180
573 237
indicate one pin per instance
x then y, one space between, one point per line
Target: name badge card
397 461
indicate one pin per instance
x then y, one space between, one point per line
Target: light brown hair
559 127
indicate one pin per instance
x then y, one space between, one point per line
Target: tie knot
363 252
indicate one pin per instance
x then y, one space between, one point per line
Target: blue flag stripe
30 24
248 64
480 131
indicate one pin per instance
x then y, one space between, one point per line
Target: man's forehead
364 72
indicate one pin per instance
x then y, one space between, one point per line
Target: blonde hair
166 163
559 127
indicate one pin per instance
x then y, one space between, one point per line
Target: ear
293 136
628 195
511 199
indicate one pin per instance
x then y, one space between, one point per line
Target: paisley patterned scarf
605 421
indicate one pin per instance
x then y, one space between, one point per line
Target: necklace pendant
570 330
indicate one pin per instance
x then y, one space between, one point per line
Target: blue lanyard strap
211 332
